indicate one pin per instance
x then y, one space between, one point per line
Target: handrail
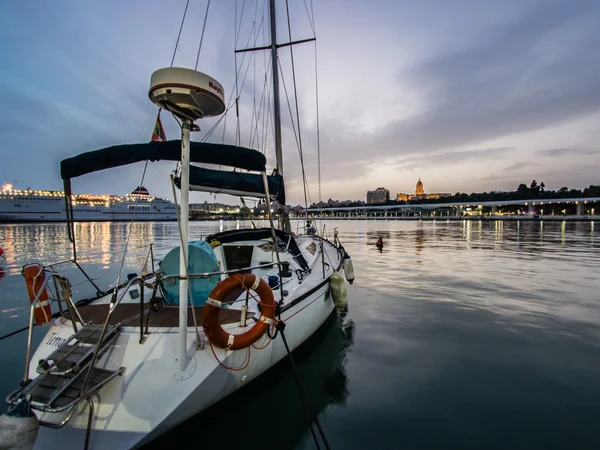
223 272
99 292
30 331
112 306
11 400
42 289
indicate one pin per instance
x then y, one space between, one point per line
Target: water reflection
419 238
272 400
462 330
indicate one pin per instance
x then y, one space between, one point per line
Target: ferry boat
49 206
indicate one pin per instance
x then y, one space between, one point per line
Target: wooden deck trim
167 315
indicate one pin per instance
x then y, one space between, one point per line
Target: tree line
534 190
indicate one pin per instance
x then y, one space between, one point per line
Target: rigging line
303 396
267 122
289 105
239 68
216 124
248 66
237 72
287 8
179 35
304 181
311 20
238 27
235 42
266 125
264 39
224 129
231 102
312 14
202 35
130 231
253 79
265 93
241 88
318 126
237 87
249 213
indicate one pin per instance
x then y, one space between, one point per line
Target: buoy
348 268
210 312
2 253
19 427
379 243
34 277
338 290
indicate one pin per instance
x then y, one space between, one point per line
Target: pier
585 208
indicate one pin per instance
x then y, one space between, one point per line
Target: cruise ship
49 206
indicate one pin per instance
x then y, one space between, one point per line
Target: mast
284 222
276 105
186 128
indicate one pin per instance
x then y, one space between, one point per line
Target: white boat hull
153 395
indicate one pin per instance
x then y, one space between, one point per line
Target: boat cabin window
237 256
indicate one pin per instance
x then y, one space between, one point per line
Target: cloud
554 152
452 157
398 96
514 78
519 166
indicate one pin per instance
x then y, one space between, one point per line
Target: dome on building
419 190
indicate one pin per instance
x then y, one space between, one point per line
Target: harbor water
458 335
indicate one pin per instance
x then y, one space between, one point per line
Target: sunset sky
467 95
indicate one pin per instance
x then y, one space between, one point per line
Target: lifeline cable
15 332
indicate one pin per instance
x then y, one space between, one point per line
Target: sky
468 96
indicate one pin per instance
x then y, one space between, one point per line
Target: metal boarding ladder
63 374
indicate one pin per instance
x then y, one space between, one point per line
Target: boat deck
166 316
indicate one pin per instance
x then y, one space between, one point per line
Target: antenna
189 95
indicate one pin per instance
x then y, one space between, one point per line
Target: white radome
187 93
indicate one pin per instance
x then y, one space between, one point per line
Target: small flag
158 134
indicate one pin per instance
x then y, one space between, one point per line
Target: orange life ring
35 277
210 312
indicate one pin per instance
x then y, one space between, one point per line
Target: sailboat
122 368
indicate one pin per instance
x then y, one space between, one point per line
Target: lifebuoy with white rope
35 277
210 311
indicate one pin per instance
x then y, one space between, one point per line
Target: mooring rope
280 327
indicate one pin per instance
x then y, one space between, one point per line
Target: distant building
329 203
213 208
420 194
379 195
419 191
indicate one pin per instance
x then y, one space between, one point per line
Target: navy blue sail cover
234 183
200 152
